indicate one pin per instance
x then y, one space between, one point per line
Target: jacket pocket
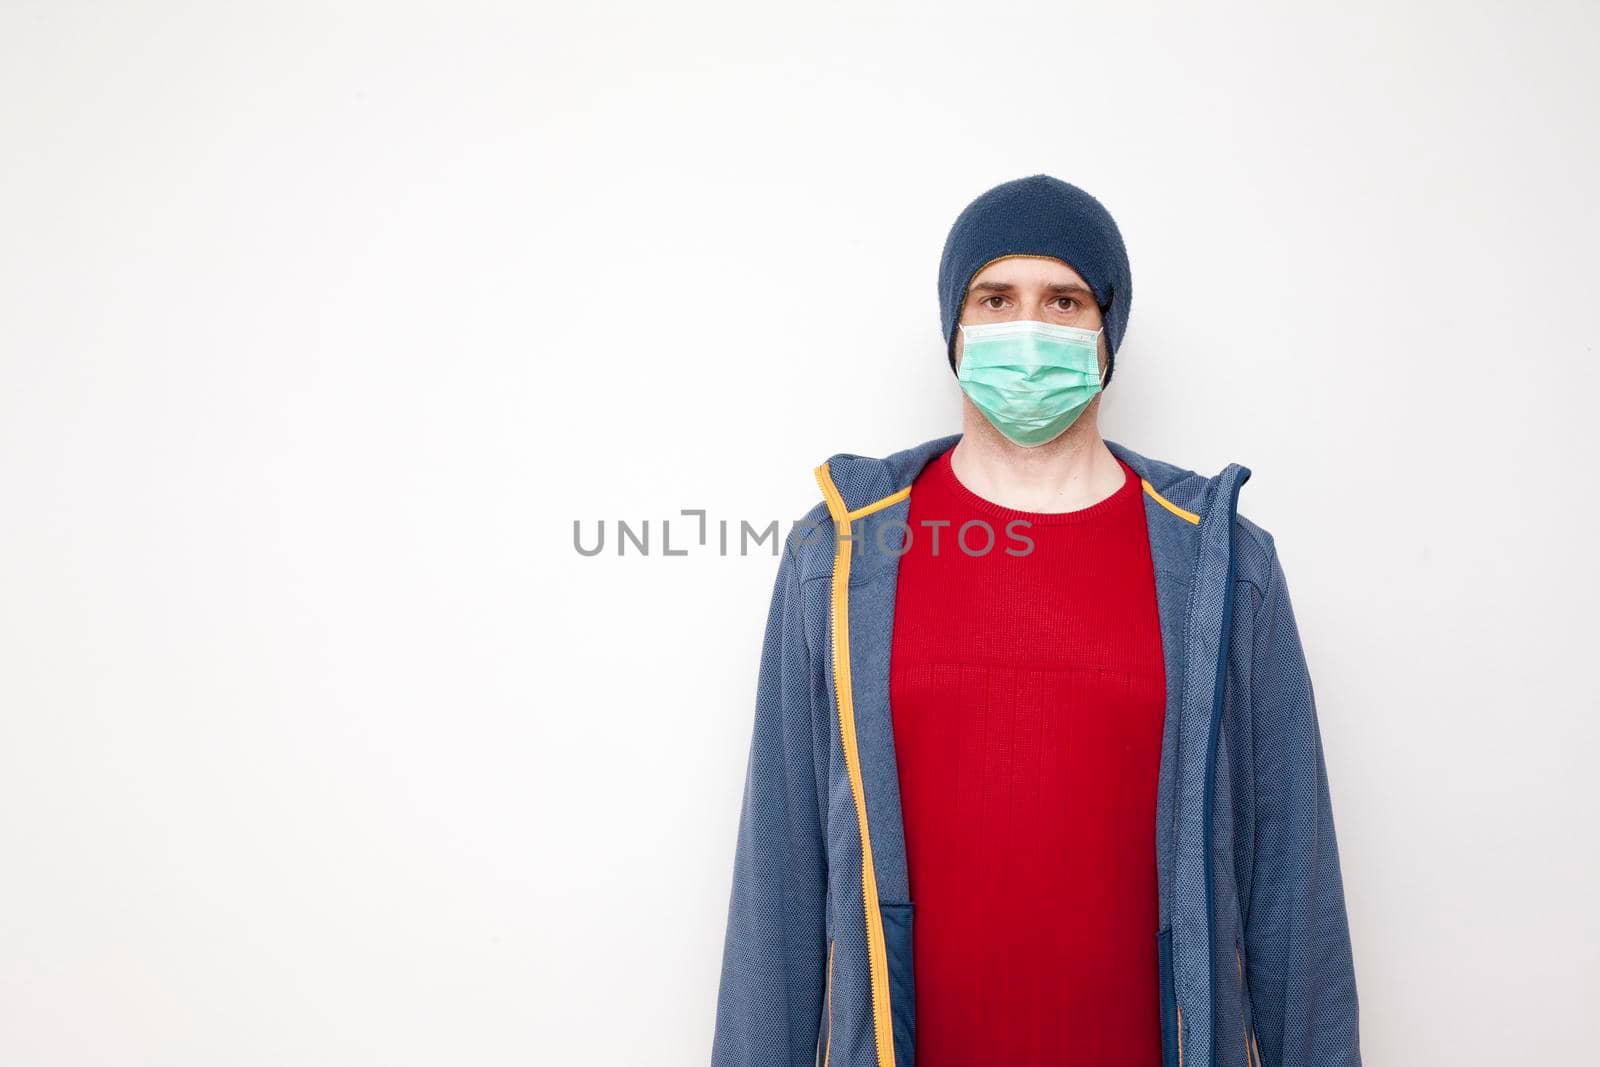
826 1040
1246 1024
1171 1016
902 985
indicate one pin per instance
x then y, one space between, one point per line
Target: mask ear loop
1111 299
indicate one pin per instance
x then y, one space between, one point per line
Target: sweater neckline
944 471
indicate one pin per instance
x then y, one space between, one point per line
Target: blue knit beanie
1038 216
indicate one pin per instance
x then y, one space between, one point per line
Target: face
1031 287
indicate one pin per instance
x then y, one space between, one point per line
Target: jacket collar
865 480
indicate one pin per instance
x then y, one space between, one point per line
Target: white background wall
319 743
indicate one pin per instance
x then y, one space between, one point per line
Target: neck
1071 472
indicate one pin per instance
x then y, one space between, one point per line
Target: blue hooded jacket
1253 942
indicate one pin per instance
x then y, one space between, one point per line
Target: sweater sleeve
1301 975
770 997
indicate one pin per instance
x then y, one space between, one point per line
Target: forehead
1024 271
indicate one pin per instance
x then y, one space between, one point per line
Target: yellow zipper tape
1187 516
877 954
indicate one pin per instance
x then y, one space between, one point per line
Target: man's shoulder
1253 551
811 543
858 481
849 483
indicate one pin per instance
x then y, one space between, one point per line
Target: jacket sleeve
1301 975
770 999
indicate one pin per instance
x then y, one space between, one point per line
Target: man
1036 776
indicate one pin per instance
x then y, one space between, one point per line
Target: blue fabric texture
1038 216
1252 935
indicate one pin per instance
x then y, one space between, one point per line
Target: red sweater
1028 696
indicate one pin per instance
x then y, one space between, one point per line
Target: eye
992 307
1067 303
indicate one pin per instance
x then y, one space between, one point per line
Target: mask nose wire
961 328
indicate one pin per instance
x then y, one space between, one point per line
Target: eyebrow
1007 287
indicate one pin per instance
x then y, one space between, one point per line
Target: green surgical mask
1030 379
